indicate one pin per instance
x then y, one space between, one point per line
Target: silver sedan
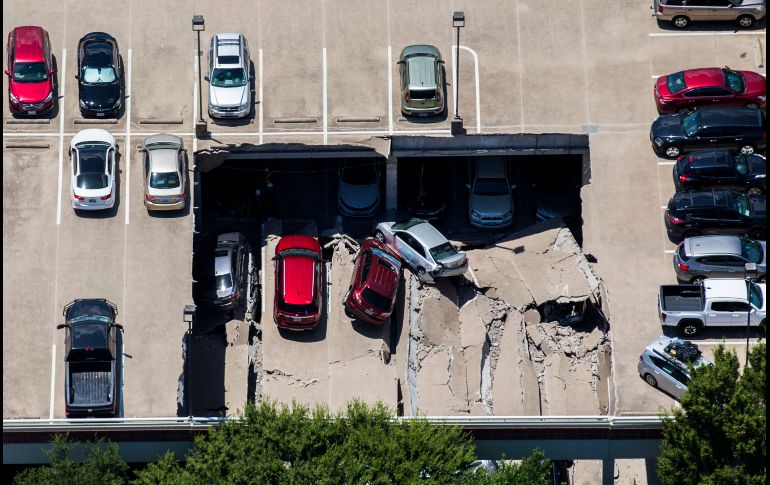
165 177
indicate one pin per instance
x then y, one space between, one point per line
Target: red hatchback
298 283
373 287
709 86
30 71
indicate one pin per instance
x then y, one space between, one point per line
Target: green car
422 81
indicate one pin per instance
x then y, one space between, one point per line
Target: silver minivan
681 12
665 364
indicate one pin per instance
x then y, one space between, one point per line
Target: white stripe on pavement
261 102
63 78
53 379
325 100
127 150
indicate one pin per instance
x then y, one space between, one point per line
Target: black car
429 200
716 211
100 75
720 169
709 128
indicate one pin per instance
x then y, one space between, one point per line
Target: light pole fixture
458 22
749 270
198 26
188 316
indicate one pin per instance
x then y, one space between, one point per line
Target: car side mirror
8 72
467 186
400 62
251 78
52 72
77 76
206 77
61 325
118 326
513 186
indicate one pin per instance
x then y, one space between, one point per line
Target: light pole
749 269
458 22
198 26
188 317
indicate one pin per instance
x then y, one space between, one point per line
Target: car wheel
745 21
762 279
755 191
757 233
747 150
421 273
752 105
651 380
680 22
690 328
697 279
379 236
673 152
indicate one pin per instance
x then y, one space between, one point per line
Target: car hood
454 261
490 204
752 3
359 196
100 96
667 126
234 96
755 83
30 92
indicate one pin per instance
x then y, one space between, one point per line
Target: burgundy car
373 287
709 86
30 71
298 283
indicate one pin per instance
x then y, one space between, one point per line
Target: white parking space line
681 34
61 137
663 207
53 379
672 162
325 100
195 97
655 76
261 103
390 89
478 95
669 251
439 131
127 149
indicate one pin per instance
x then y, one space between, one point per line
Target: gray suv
229 76
223 280
702 257
681 12
490 202
665 364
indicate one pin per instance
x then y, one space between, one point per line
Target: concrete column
652 472
391 184
608 472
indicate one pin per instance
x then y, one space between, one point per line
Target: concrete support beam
391 184
608 472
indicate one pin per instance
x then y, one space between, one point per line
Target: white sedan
92 172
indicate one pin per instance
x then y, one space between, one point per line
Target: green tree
719 434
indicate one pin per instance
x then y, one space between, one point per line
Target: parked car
229 76
299 283
428 202
90 358
422 81
681 12
716 211
709 128
165 177
92 172
224 278
720 168
30 71
424 249
359 188
490 202
666 362
709 87
374 283
712 303
100 75
702 257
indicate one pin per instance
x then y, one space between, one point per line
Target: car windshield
98 75
751 250
742 164
89 334
735 81
91 180
375 299
164 180
92 157
741 204
422 93
217 283
443 251
360 174
690 124
676 82
30 72
229 78
756 295
490 187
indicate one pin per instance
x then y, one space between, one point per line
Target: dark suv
716 211
709 128
720 169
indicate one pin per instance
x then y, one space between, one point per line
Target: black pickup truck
91 378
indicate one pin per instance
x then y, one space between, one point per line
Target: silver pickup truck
711 303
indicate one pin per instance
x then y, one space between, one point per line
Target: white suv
229 76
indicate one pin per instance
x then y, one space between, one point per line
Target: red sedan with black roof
374 284
298 283
711 86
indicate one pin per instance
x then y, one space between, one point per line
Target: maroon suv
298 283
373 287
30 71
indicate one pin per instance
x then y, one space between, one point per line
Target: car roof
228 45
421 72
729 117
383 274
298 271
28 43
713 245
705 77
427 235
703 199
163 160
490 167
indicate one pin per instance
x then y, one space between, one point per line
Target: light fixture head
198 25
458 19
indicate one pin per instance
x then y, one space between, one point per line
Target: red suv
298 283
373 287
709 86
30 71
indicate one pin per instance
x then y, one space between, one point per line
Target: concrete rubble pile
488 343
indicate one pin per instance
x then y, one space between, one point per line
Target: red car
373 287
30 71
298 283
709 86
